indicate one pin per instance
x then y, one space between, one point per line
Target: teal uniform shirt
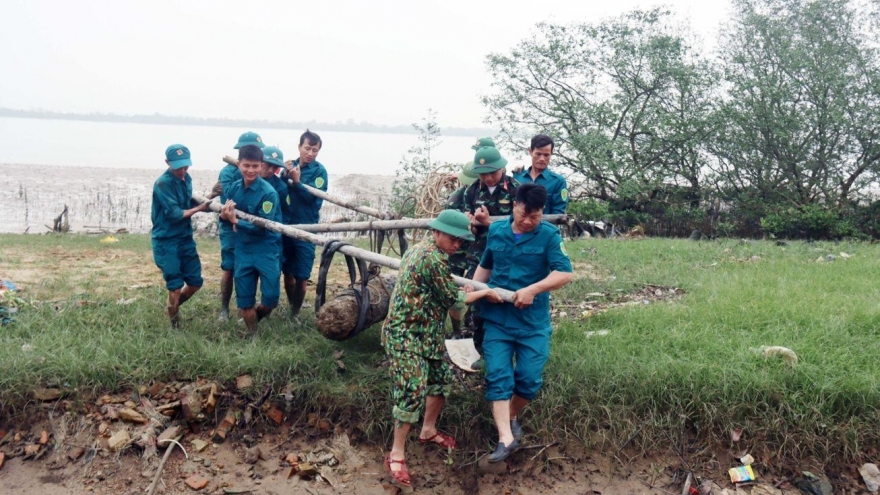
518 263
284 201
307 208
261 200
556 186
170 197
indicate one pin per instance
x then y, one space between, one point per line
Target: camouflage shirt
423 293
498 202
458 260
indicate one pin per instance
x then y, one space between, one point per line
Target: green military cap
249 137
454 223
273 156
483 143
467 175
177 156
488 160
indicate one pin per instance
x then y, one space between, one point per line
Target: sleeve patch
562 248
564 194
267 206
319 182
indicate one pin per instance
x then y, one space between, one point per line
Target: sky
380 61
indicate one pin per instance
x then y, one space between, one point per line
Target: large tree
801 120
627 100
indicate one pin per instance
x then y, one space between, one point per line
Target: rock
244 382
306 470
199 444
253 455
132 416
830 257
486 467
119 440
275 415
191 403
196 482
291 459
2 459
207 463
47 394
32 449
871 474
170 433
44 437
75 453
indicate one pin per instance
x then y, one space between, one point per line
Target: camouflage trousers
414 378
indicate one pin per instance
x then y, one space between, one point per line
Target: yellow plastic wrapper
741 474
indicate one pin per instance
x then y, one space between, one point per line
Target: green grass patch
668 373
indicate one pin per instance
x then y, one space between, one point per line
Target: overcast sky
381 61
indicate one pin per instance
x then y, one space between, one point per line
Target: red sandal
441 439
400 477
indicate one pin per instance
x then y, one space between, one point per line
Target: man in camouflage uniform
492 195
413 335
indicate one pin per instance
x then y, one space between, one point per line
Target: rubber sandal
503 451
441 439
400 477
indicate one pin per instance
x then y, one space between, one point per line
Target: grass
680 373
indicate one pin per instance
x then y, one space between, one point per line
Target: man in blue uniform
174 249
299 256
541 150
256 248
527 256
229 174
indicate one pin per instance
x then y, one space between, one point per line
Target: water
104 171
142 146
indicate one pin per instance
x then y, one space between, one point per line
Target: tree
627 100
415 166
801 126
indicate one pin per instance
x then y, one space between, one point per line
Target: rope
362 297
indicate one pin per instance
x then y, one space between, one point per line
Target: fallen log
405 223
329 197
363 254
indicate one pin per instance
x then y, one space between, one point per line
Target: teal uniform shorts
299 258
250 268
531 349
179 262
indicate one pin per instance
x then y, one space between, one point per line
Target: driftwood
337 318
61 223
406 223
363 254
329 197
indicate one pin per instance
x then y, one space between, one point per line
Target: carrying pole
405 223
317 240
329 197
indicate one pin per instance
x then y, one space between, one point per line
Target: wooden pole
406 223
328 197
363 254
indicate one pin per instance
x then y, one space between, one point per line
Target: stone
75 453
32 449
44 437
191 403
306 470
244 382
47 394
196 482
199 444
871 474
132 416
119 440
253 455
275 415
